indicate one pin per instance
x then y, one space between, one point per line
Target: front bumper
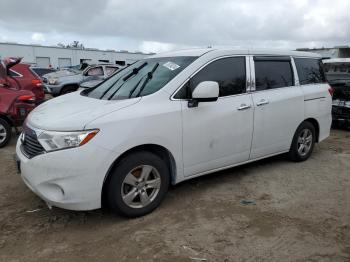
54 89
341 120
341 112
47 89
70 179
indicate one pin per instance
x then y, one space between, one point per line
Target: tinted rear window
273 74
310 71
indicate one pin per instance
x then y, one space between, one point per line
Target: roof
185 52
202 51
336 60
282 53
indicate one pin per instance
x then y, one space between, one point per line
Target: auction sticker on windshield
171 66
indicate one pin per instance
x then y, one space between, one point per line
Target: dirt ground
290 212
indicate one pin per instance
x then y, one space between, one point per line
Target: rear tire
303 142
138 184
5 132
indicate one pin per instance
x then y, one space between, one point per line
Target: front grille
341 111
45 80
30 144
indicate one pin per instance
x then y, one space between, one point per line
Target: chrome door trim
252 74
295 72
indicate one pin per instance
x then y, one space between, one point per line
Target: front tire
68 89
5 132
303 142
138 184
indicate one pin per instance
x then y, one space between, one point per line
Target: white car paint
215 135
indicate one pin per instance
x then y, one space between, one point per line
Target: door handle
262 102
244 107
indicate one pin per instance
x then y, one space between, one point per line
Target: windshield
142 78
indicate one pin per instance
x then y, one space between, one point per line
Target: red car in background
23 76
15 104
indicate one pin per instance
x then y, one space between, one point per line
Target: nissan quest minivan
169 118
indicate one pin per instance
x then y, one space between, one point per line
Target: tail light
37 82
26 98
331 91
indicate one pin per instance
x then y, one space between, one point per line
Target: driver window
229 72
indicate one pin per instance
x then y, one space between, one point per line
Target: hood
73 111
61 73
91 83
6 63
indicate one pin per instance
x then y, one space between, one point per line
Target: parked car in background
338 76
40 71
15 104
337 69
93 83
68 80
22 76
169 118
341 104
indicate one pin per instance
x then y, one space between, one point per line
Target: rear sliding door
278 105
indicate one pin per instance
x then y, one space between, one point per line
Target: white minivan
169 118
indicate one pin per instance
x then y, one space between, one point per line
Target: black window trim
271 58
246 60
274 59
16 73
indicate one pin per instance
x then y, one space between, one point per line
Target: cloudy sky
161 25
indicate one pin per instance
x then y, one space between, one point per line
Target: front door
218 134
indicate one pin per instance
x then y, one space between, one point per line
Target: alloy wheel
304 142
141 186
3 133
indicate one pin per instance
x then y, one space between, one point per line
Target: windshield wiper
133 72
149 77
137 84
109 88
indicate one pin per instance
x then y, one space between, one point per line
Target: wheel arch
158 150
315 123
7 119
69 85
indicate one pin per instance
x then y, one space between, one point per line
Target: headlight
53 81
53 140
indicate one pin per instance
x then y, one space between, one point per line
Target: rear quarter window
310 71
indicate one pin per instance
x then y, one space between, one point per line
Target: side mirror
207 91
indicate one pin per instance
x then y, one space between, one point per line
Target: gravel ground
290 212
